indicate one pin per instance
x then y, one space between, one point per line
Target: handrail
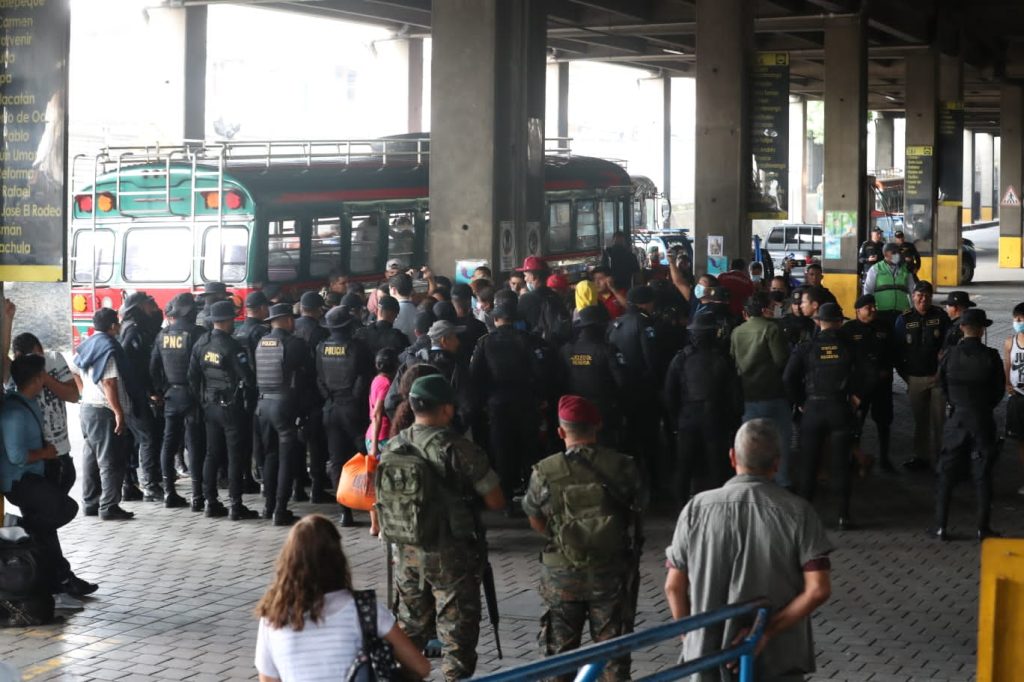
589 661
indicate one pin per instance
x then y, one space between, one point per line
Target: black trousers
148 440
642 440
44 509
702 453
61 472
344 426
968 441
224 427
280 437
183 423
827 424
314 437
515 445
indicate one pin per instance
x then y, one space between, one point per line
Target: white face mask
756 278
894 259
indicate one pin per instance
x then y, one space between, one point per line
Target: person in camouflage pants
584 578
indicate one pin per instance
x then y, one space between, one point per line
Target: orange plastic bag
356 487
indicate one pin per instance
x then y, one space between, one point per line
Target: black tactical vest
966 375
336 366
175 349
829 367
219 380
270 374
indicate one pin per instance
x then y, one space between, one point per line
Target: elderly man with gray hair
751 538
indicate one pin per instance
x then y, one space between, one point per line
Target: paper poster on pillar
919 200
718 262
769 137
34 98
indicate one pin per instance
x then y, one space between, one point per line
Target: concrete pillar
725 46
415 81
922 117
948 216
666 140
1011 174
884 141
985 162
845 154
487 129
563 99
194 44
797 160
969 209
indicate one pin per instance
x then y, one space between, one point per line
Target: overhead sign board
769 136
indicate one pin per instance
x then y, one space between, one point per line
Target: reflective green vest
891 290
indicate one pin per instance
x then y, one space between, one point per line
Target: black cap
592 316
975 317
389 303
352 301
863 300
222 311
924 286
104 318
311 299
181 305
133 301
218 288
960 299
280 310
877 229
505 311
256 299
339 317
705 321
898 233
423 322
444 310
640 295
829 312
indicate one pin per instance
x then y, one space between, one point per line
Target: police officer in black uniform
219 373
796 327
139 328
704 395
344 371
871 339
283 370
382 333
169 369
593 368
871 250
472 329
972 378
956 303
309 327
249 333
212 293
825 376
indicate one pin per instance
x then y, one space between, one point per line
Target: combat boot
172 500
215 510
153 493
299 494
198 504
130 491
284 517
239 512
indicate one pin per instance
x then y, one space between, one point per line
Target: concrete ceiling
660 35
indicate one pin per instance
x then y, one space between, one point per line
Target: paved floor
178 589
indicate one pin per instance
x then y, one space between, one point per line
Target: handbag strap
366 609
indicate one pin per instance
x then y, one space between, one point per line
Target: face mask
778 312
894 259
530 286
698 291
756 278
1018 327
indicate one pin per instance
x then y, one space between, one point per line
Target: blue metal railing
590 660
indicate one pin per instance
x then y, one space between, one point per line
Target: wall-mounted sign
769 137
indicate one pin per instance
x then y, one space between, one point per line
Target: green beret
433 389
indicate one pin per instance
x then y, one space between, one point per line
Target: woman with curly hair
403 413
309 626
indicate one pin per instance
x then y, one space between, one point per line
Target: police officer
956 303
473 329
585 576
971 376
796 327
219 372
704 396
919 335
248 334
871 339
908 252
593 368
138 334
168 367
382 333
212 293
309 327
440 548
283 369
871 250
344 371
826 377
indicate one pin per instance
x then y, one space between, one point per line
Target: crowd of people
575 406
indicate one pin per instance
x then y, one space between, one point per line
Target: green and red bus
166 220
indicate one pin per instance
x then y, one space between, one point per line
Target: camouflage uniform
443 586
598 592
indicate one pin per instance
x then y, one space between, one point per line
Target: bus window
325 246
157 254
85 265
402 238
586 224
608 220
224 254
365 244
283 250
559 226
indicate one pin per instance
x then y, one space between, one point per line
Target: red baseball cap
533 263
578 410
558 282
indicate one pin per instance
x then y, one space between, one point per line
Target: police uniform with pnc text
428 483
585 503
309 327
253 328
220 374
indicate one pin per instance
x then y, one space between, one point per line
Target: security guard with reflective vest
428 482
249 333
585 502
971 376
168 366
595 369
309 327
704 394
283 369
219 373
344 371
919 335
826 377
892 283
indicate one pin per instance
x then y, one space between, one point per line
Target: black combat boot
239 512
172 500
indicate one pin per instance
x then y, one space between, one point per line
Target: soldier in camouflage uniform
584 502
436 525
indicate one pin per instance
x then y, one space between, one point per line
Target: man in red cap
589 568
542 308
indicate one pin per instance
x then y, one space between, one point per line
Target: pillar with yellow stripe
1011 172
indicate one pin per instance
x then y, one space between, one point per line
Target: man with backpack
427 483
584 502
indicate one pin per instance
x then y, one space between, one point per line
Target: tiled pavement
178 589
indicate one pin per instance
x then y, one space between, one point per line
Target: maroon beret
577 410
